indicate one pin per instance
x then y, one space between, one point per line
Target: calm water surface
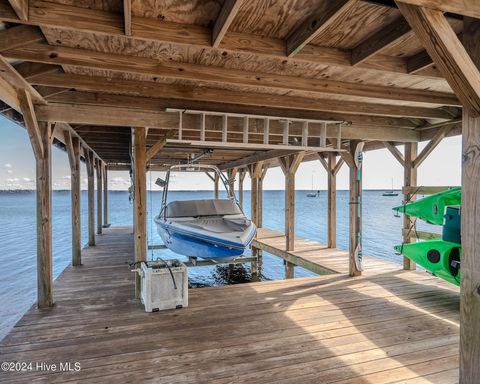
18 238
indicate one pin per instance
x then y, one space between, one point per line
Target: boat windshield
196 182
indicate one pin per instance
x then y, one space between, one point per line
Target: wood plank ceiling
106 65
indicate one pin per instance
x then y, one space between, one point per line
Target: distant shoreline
184 190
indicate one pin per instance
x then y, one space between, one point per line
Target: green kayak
441 258
432 208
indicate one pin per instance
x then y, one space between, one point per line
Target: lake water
18 237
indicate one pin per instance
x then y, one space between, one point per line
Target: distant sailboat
313 194
391 193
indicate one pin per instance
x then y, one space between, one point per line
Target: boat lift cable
151 226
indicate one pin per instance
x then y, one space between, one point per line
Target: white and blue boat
214 229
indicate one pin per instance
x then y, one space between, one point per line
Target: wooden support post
216 184
254 197
289 165
260 197
470 279
409 180
355 248
332 201
73 150
232 174
105 195
44 218
289 270
89 160
240 187
140 198
41 138
99 172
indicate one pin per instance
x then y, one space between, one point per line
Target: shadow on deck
394 326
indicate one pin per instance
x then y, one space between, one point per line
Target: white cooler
164 287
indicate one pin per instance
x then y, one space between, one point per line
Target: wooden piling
99 172
409 180
140 198
332 201
216 185
241 177
105 194
470 279
289 165
89 160
355 214
44 219
73 151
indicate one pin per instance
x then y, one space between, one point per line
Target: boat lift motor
164 284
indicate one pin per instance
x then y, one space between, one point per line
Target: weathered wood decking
315 256
388 327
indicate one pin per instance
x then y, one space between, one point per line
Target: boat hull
436 256
195 245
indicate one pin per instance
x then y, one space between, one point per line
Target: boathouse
246 85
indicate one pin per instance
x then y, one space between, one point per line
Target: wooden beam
110 24
21 8
29 70
155 148
409 181
395 152
59 55
73 150
180 92
31 124
19 36
241 178
157 104
461 7
127 17
338 166
225 18
9 95
325 15
442 132
448 53
140 197
89 161
382 39
419 62
258 157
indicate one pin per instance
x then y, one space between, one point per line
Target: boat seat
192 208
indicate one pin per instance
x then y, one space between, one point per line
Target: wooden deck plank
314 256
389 325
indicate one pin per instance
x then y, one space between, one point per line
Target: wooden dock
314 256
386 327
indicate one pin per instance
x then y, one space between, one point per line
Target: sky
442 167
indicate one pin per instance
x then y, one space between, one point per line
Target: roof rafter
225 18
154 89
106 23
44 53
325 15
448 53
380 40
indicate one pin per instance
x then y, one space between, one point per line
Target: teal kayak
441 258
432 208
